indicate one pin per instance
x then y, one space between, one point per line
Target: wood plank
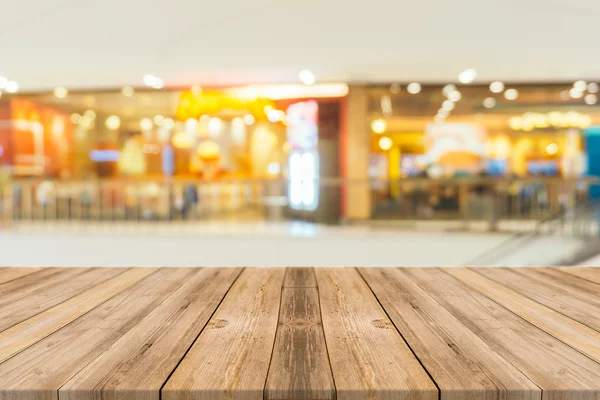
462 365
28 332
16 308
554 276
231 357
9 273
300 277
139 363
23 286
560 371
575 334
38 372
369 358
590 273
526 283
300 366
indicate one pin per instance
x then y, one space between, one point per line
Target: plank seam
82 315
439 391
324 336
543 305
160 391
518 316
85 271
475 333
283 287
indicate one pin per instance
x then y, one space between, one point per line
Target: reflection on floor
255 244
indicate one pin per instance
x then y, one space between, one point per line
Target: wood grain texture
9 274
28 332
300 277
463 366
55 289
555 277
138 364
369 358
38 372
566 302
230 359
589 273
569 331
300 365
559 370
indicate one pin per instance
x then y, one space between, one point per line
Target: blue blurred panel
592 144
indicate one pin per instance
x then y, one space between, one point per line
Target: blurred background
280 133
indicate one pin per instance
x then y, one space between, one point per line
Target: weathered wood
559 370
591 274
300 366
137 365
9 274
28 332
463 366
300 277
230 359
554 276
38 372
55 290
569 331
566 302
369 358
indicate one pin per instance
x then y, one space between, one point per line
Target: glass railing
488 201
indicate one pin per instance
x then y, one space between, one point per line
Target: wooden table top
299 333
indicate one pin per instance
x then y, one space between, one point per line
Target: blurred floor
253 244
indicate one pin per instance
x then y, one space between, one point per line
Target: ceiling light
158 120
490 102
449 88
127 91
395 88
307 77
11 87
413 88
580 85
3 82
385 143
90 114
75 118
61 92
378 126
169 123
215 126
146 124
249 119
511 94
153 81
113 122
593 87
591 99
496 87
467 76
448 105
552 149
575 93
443 113
455 96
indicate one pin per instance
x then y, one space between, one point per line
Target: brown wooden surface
369 358
231 357
299 333
462 365
300 365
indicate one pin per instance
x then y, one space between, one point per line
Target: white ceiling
109 43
